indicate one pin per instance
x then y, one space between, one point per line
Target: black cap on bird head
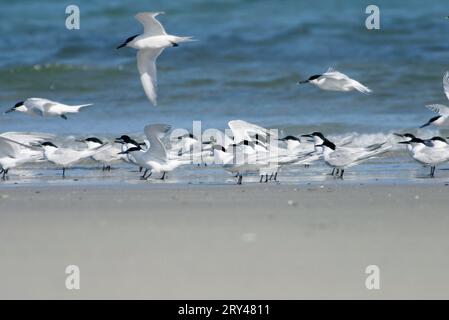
315 76
432 120
93 139
132 149
413 140
287 138
327 143
48 144
18 104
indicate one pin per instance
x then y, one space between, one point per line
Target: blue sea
245 65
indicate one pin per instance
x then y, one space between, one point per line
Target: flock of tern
244 148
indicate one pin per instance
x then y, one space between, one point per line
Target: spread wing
37 105
6 149
446 84
243 130
336 75
439 108
151 26
146 63
154 134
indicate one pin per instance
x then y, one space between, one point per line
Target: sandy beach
251 241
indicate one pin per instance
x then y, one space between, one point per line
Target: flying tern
44 107
150 45
334 80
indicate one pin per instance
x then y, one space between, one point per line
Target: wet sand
251 241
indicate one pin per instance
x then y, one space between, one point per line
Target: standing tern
341 158
150 45
44 107
442 119
155 157
431 152
108 155
13 154
334 80
66 157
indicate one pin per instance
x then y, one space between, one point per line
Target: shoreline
230 242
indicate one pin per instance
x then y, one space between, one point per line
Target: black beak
404 142
123 152
398 135
118 140
307 136
304 81
10 110
121 46
425 125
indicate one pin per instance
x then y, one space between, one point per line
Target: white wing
334 74
439 108
151 26
38 105
27 138
242 131
14 149
446 84
146 63
154 133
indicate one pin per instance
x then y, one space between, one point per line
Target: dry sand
254 241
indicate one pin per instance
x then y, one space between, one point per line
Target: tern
44 107
442 119
155 157
108 155
341 158
431 152
66 157
13 154
150 45
334 80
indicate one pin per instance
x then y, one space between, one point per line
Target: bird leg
261 177
239 181
275 176
63 173
432 171
266 178
5 173
163 176
333 172
342 171
144 173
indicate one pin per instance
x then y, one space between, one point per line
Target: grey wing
154 133
6 148
341 158
446 84
146 64
151 26
442 110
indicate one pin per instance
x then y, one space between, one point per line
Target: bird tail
184 39
82 106
376 150
361 88
74 109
